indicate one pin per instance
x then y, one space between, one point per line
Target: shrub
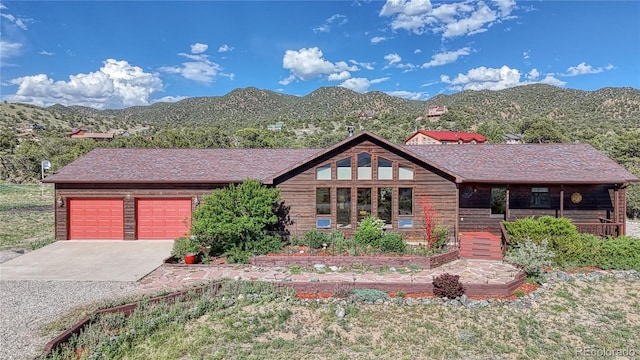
440 236
532 257
622 253
562 236
392 242
369 230
315 239
237 216
369 295
184 245
268 244
448 286
237 255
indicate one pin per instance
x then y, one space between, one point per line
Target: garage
162 219
100 219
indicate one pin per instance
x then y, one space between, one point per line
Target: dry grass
26 215
572 316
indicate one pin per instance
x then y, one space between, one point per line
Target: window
385 196
323 223
405 223
343 204
344 169
364 166
323 172
540 197
405 173
364 203
323 201
405 201
385 169
498 202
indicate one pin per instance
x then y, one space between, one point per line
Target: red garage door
96 219
160 219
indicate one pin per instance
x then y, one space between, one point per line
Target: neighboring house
36 126
366 115
275 127
436 110
513 138
84 134
422 137
150 193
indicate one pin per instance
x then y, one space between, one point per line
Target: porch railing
505 238
602 229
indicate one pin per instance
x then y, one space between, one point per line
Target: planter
190 258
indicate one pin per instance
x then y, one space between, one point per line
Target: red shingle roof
177 165
489 163
450 136
525 163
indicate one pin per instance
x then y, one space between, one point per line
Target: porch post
506 206
561 200
616 205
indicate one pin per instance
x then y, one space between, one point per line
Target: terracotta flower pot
190 258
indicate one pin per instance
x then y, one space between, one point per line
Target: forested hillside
608 118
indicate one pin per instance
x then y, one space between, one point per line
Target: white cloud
47 53
368 66
533 75
392 58
116 84
583 69
409 95
225 48
339 76
526 54
169 99
199 48
378 39
483 78
201 69
403 7
449 19
8 49
361 85
335 20
19 22
417 51
306 64
446 57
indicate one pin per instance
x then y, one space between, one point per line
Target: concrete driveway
89 260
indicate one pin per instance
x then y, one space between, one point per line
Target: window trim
539 196
413 172
323 167
350 172
317 213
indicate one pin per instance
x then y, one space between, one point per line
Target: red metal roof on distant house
487 163
449 136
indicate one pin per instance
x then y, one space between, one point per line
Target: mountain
251 107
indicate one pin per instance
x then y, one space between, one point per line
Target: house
513 138
366 115
140 194
436 110
84 134
275 127
422 137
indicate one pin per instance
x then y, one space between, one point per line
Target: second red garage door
162 219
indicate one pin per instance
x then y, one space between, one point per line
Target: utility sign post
44 165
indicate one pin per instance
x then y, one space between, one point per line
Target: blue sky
118 54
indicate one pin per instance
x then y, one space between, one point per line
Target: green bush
532 257
622 253
238 217
441 234
369 295
184 245
369 231
315 239
391 242
562 236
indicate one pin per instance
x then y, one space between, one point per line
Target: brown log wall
299 191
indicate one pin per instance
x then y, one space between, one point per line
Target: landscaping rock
563 276
314 279
340 312
334 268
466 337
319 266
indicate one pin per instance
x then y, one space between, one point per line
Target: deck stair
480 245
